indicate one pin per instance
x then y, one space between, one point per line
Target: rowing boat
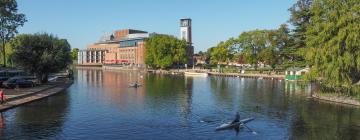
196 74
233 125
134 85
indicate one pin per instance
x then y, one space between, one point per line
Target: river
100 105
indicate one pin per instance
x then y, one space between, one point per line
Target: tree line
251 47
325 37
279 48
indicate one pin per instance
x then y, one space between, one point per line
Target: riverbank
262 76
335 98
17 97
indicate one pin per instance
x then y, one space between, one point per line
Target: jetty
256 76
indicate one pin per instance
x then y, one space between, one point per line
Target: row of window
130 43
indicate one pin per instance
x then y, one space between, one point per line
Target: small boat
200 74
226 126
134 85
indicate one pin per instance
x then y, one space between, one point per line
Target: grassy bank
341 95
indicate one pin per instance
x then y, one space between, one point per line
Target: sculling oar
249 128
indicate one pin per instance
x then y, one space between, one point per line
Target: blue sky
83 22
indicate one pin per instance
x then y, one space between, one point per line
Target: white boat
134 85
229 125
200 74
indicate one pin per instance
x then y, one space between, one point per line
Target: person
237 118
136 84
2 96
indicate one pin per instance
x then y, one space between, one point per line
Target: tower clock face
184 23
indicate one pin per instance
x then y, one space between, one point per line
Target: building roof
131 31
295 69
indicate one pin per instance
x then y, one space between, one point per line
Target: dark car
2 80
18 82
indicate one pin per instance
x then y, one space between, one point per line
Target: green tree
74 53
41 54
300 19
220 54
164 51
10 20
251 44
334 44
209 56
9 52
280 44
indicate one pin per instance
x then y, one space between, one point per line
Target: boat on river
196 73
134 85
230 125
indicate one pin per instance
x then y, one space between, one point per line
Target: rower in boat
237 118
236 121
236 124
135 85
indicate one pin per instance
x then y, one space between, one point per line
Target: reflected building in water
297 88
113 84
186 98
90 76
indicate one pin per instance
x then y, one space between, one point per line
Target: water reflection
177 107
43 120
2 124
316 119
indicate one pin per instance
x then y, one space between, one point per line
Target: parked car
2 80
18 82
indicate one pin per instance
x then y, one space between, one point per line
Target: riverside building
121 47
127 47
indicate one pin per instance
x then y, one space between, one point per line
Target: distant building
200 59
293 74
186 34
121 47
128 47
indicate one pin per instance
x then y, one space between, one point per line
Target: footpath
17 97
264 76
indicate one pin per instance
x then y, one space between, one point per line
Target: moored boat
200 74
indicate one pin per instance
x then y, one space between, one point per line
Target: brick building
128 47
121 47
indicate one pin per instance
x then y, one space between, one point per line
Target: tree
220 54
8 55
251 44
10 20
74 53
300 19
164 51
333 41
280 44
41 54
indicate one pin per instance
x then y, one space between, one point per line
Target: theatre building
127 47
121 47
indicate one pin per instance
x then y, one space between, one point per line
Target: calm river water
99 105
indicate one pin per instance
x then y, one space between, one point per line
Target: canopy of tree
269 46
326 36
74 53
333 42
41 54
10 20
164 51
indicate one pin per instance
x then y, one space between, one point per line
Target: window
129 43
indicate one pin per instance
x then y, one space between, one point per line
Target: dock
255 76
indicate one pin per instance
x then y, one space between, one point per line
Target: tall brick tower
185 34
